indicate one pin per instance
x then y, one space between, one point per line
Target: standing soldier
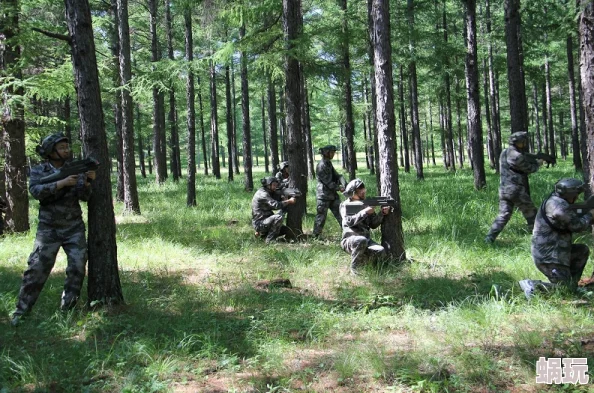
264 220
60 225
514 191
552 250
356 228
329 183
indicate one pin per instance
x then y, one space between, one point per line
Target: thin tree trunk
549 113
306 121
229 113
349 123
235 150
12 121
369 115
214 124
272 123
405 153
131 203
586 29
264 138
493 94
245 114
414 95
202 130
449 134
475 133
392 234
174 134
545 121
575 135
515 67
539 145
140 143
117 106
159 148
191 189
104 282
283 124
490 143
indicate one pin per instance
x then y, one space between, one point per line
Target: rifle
71 168
549 159
583 208
286 193
382 201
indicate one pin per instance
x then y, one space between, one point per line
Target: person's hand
91 175
291 201
67 182
370 210
386 210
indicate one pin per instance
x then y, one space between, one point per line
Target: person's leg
526 206
273 225
335 209
320 220
578 260
375 251
40 264
506 208
557 274
76 251
356 246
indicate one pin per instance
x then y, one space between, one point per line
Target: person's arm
325 175
565 218
355 219
43 192
522 162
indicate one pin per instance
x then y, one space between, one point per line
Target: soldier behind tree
329 183
283 175
60 225
552 250
356 229
266 223
514 191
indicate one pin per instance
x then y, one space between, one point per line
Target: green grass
195 320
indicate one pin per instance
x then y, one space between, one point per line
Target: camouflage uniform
2 210
282 181
356 234
552 251
60 225
329 182
514 190
264 220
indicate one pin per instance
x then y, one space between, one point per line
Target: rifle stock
374 201
71 168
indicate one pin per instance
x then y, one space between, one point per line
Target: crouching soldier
266 223
552 250
60 225
283 175
356 228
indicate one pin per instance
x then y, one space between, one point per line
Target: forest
188 104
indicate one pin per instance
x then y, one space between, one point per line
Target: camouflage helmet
49 142
353 186
327 149
267 181
520 136
569 187
283 165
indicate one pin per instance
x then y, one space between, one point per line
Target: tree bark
414 94
117 105
245 114
392 234
272 122
475 132
549 113
175 156
104 281
191 189
202 131
235 149
575 135
140 143
515 67
405 148
159 145
349 123
131 203
311 170
295 146
447 109
586 29
493 94
264 138
539 144
214 124
13 125
229 113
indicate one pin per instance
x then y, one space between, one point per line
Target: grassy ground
196 318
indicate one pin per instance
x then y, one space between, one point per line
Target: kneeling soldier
356 229
264 220
552 249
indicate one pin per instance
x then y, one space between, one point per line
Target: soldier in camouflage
552 250
283 175
356 229
60 225
329 183
515 165
264 220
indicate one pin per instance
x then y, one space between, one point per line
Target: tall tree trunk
104 281
539 145
575 135
311 170
490 144
172 118
369 115
515 67
245 114
404 134
264 137
449 134
493 94
392 234
140 143
202 131
117 106
283 124
414 94
191 190
214 124
586 29
295 146
373 120
545 122
235 150
475 132
159 145
13 125
131 203
229 113
349 123
272 122
549 113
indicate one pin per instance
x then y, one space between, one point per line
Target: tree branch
54 35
